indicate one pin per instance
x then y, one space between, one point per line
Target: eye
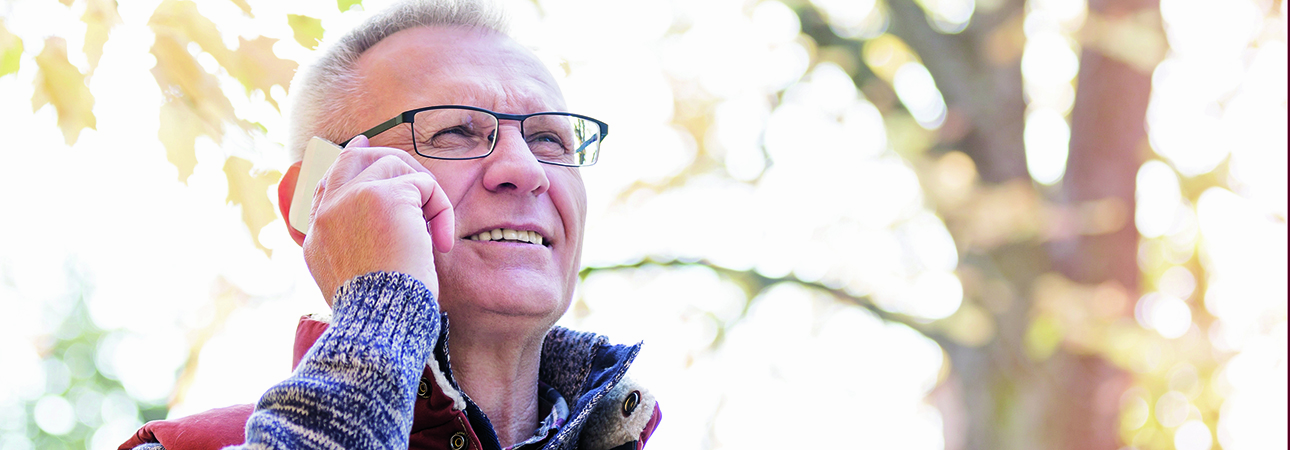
547 137
547 146
460 138
457 130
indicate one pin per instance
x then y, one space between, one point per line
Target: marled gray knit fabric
359 377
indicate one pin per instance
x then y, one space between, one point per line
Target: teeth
508 234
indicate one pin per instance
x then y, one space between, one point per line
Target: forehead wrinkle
487 71
506 98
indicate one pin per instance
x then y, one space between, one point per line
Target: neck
500 377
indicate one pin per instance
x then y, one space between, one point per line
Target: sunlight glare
780 323
1157 199
54 415
917 91
775 23
1193 435
1253 416
949 16
1210 28
850 18
1048 60
1168 315
1047 141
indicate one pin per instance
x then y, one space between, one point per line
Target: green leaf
308 30
10 51
251 191
346 5
61 84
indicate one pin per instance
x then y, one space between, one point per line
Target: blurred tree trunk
1069 400
1108 144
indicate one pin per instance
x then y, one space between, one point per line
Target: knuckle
369 193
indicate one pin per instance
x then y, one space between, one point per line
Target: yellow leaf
346 5
253 64
308 30
194 106
182 79
251 191
258 68
179 129
10 51
100 16
244 6
61 84
181 20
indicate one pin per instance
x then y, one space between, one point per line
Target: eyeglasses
466 132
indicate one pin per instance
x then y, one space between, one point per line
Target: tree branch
754 283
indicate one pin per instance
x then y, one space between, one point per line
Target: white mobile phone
319 154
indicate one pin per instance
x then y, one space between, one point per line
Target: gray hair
322 91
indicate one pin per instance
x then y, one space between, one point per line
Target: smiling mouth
509 235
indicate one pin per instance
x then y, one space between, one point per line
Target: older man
467 200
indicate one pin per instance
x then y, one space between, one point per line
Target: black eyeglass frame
409 115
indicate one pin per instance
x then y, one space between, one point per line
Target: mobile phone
319 155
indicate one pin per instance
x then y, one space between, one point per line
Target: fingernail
358 141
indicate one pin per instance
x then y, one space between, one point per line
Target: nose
513 167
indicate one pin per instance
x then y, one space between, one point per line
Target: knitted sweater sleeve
356 386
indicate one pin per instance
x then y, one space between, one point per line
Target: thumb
358 141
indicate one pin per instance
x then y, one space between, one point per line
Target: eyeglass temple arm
370 133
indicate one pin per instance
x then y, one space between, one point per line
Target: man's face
509 189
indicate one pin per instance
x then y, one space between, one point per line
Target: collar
555 412
577 368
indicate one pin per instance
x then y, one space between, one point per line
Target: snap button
423 389
457 441
629 405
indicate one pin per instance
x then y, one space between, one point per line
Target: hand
377 209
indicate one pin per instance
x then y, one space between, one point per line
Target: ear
287 189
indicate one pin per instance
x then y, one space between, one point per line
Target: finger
358 141
388 167
361 142
437 210
443 227
355 160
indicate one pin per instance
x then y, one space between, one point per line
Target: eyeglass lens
453 133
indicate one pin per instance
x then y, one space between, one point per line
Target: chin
504 297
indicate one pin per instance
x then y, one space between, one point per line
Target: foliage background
959 224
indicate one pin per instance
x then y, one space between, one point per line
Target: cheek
454 179
570 197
